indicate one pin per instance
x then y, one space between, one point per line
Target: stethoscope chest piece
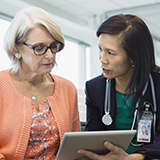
106 119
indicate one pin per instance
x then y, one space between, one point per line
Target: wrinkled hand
116 153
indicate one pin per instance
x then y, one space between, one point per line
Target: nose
103 57
49 54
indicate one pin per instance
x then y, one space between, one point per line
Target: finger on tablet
89 154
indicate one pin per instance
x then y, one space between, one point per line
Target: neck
121 84
35 86
32 79
122 81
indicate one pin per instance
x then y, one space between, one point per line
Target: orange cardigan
16 114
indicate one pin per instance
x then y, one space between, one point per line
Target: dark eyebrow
108 49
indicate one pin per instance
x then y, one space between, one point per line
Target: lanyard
154 104
107 120
135 113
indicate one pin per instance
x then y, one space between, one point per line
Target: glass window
4 60
88 64
67 62
157 51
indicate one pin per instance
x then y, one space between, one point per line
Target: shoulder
3 75
156 81
96 80
4 72
156 76
96 86
6 84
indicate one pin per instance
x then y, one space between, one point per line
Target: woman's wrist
136 156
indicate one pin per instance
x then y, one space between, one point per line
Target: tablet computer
93 141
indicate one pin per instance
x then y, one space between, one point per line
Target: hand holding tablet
92 141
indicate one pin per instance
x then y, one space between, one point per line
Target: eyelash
99 48
109 52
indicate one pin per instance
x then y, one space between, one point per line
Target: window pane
88 64
67 62
4 60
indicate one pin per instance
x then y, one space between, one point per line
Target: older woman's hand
115 153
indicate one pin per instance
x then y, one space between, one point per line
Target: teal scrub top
124 117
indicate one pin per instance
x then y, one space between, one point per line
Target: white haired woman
36 107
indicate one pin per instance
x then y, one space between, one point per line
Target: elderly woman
36 108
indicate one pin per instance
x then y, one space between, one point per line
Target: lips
48 64
105 70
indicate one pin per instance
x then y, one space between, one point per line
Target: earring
133 65
18 56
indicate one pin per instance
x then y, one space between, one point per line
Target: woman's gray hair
23 22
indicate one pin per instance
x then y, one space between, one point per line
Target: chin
108 76
46 71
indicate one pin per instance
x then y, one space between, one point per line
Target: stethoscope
107 119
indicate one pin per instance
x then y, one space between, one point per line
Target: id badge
145 125
144 131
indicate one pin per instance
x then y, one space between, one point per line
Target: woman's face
114 61
37 65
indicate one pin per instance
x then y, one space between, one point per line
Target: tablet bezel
92 140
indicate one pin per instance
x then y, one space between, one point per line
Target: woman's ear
132 63
17 53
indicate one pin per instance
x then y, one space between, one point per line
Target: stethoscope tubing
107 103
108 93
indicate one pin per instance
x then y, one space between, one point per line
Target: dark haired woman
129 84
